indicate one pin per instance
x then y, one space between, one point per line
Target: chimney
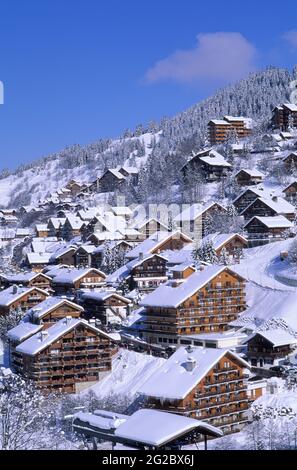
189 349
92 321
14 289
43 335
68 319
141 255
274 198
190 364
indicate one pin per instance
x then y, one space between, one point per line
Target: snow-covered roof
258 191
273 222
220 122
102 236
62 251
13 293
23 277
72 275
101 422
101 296
132 170
38 258
75 222
116 173
23 331
277 337
50 304
43 339
139 225
279 205
219 239
173 381
155 240
57 222
251 172
215 158
196 210
138 261
290 106
172 297
182 267
156 428
121 210
87 248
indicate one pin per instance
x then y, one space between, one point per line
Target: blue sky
77 70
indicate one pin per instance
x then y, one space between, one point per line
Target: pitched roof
154 241
277 337
50 304
173 381
43 339
72 275
215 159
196 210
219 239
172 297
279 206
251 172
12 294
23 331
273 222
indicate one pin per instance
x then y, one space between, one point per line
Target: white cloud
219 57
291 37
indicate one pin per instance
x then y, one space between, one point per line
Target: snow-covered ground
261 264
129 371
48 177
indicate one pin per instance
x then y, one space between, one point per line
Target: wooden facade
218 129
262 353
209 309
220 398
258 230
70 284
280 116
290 193
148 274
22 299
244 178
75 360
261 208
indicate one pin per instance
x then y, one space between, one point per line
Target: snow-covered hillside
29 186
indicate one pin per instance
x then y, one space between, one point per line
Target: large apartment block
205 302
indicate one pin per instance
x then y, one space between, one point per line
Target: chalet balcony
235 400
240 388
227 421
227 412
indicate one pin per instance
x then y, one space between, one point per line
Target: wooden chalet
205 302
28 279
249 195
83 256
72 227
290 161
20 298
280 116
108 182
67 357
210 164
55 226
274 206
150 226
69 280
158 242
267 229
247 177
181 272
37 261
290 192
269 348
107 306
231 244
53 309
42 230
193 221
65 255
147 272
204 383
